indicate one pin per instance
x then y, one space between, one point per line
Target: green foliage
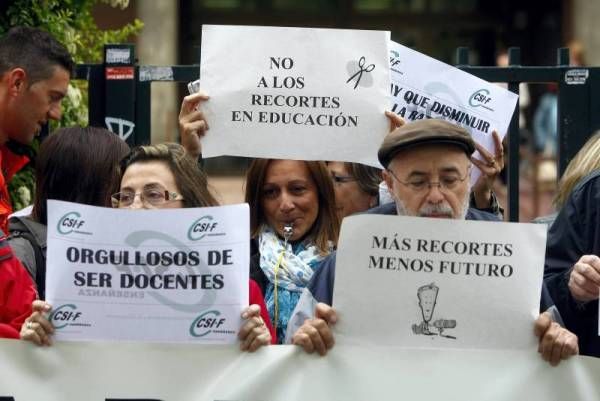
70 22
21 187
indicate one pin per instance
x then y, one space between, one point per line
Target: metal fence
119 98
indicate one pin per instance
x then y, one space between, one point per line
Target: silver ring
29 325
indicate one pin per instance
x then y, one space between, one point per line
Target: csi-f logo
395 62
206 322
63 315
480 99
202 227
394 58
70 222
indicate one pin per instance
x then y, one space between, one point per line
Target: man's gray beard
403 211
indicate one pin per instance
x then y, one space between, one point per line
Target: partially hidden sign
423 87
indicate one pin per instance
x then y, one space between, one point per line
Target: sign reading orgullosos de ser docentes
169 275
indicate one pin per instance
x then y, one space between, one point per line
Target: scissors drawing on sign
359 73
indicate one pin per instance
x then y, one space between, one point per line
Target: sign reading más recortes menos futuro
441 283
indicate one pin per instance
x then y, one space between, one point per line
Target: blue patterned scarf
297 266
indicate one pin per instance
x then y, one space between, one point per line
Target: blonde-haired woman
584 162
572 266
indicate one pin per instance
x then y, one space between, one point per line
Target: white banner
104 371
421 282
295 93
423 87
175 275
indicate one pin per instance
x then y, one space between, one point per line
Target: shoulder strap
40 256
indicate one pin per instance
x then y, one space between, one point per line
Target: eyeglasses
149 196
340 179
447 182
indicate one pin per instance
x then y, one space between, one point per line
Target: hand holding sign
395 120
584 280
556 342
254 333
315 334
490 167
36 327
192 124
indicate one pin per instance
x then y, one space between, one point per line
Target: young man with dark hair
34 75
35 70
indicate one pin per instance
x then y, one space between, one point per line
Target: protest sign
422 282
183 372
176 275
295 93
423 87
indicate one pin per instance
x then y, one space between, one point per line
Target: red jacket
256 297
10 163
17 292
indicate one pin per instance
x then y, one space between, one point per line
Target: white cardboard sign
423 87
295 93
422 282
169 275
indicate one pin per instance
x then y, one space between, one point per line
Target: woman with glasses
164 176
356 187
161 176
75 165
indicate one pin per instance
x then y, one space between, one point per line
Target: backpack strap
22 231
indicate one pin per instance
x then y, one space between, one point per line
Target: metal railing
119 99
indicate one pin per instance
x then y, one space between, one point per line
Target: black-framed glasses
447 182
150 196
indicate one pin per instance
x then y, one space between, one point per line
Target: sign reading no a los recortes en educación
295 93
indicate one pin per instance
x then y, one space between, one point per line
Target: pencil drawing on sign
427 296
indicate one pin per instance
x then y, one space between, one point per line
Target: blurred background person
545 130
356 187
75 165
585 162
